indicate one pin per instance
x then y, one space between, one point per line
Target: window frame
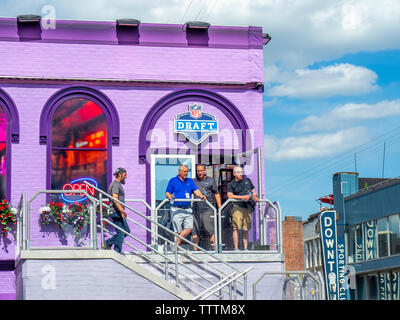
52 106
359 228
389 231
351 244
385 218
12 135
7 153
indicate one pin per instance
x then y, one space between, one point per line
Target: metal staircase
184 273
201 273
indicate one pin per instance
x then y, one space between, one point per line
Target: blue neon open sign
78 184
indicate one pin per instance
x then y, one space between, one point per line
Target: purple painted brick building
83 98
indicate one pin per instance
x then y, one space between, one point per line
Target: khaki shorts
241 218
181 219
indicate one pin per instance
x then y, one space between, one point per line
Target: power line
343 165
187 9
349 163
335 161
346 161
211 9
383 164
204 6
325 164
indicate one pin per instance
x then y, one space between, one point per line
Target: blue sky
332 80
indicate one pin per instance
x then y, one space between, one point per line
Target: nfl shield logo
195 124
195 111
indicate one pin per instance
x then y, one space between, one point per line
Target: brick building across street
293 248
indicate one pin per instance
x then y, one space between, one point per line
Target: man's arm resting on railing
198 194
245 197
218 200
254 195
118 205
232 196
168 195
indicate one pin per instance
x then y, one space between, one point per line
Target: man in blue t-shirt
182 187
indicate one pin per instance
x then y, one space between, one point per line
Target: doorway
220 168
163 168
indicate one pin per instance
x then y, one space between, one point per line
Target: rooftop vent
197 25
28 18
29 28
128 22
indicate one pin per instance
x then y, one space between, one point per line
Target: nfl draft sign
195 124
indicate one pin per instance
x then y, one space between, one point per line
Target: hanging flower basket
52 213
78 216
8 217
75 215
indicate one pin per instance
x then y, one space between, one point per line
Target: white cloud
313 145
303 32
270 103
338 79
348 114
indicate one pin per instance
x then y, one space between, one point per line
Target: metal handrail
149 219
169 241
162 203
153 249
26 219
20 223
24 240
193 244
254 285
224 283
278 218
162 255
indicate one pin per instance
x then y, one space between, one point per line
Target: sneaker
106 246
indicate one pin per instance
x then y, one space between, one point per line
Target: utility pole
355 162
383 162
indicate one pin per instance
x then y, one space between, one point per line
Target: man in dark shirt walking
203 224
118 214
241 189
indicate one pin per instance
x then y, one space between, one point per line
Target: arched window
9 134
78 144
3 157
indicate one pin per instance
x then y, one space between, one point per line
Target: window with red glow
79 143
3 145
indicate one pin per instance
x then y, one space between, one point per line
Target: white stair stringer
206 276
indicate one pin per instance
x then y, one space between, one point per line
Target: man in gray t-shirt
118 214
117 188
203 224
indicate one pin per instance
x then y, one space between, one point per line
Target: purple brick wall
7 285
222 61
29 156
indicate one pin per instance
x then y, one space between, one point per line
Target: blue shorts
181 219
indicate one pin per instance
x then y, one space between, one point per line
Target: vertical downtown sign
334 255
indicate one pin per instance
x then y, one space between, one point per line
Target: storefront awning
327 199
